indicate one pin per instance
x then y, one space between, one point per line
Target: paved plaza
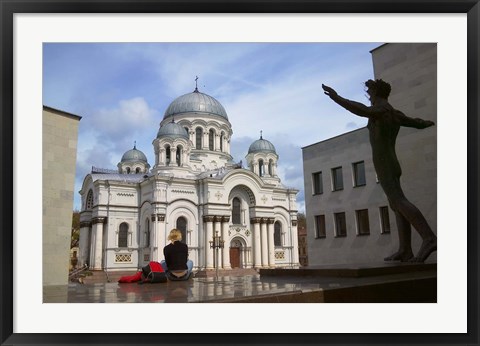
379 283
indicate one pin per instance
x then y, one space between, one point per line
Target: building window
179 155
337 178
198 138
147 233
89 203
340 224
211 139
186 130
182 227
317 183
277 234
236 210
137 170
384 220
363 225
261 168
123 235
128 170
168 154
320 231
222 137
359 173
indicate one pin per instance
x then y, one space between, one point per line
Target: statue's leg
404 252
413 216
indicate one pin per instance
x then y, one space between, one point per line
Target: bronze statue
384 122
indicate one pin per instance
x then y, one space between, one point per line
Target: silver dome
195 102
134 155
261 145
173 130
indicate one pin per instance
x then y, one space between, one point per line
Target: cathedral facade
194 186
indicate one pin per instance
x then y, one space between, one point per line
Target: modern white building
348 216
195 186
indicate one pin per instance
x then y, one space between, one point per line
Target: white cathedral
194 186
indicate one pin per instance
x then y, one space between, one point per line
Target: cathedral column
257 251
217 142
154 241
255 168
263 227
192 136
295 259
83 243
208 236
173 156
161 240
217 224
98 230
226 244
271 242
205 141
161 156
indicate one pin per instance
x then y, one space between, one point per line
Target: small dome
134 155
261 145
195 102
173 130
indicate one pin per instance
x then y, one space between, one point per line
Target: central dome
195 102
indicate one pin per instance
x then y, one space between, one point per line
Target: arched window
179 155
137 170
277 234
270 167
123 235
168 154
222 137
236 211
186 129
147 233
89 203
198 138
128 170
182 227
211 139
261 168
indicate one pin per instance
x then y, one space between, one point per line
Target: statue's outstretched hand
429 123
329 91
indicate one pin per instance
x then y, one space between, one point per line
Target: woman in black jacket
176 265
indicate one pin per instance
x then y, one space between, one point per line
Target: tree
301 220
75 229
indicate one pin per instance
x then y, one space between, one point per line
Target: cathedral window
147 233
168 155
270 167
123 235
128 170
89 204
211 139
198 138
137 170
182 227
277 234
261 168
179 155
236 211
222 137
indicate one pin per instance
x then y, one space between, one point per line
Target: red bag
131 278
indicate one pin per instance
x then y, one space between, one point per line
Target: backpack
153 273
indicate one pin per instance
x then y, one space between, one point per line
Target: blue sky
121 90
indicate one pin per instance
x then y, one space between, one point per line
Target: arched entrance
237 253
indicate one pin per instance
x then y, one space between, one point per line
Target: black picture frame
10 7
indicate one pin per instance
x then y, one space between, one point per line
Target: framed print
31 32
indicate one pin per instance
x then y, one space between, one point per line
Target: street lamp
216 243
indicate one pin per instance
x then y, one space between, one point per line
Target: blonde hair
175 235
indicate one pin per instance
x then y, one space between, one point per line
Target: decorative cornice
161 217
153 217
294 222
225 218
256 220
97 220
208 218
270 220
84 224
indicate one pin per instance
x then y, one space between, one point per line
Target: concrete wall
411 70
59 139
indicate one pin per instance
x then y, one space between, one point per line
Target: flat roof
51 109
334 137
